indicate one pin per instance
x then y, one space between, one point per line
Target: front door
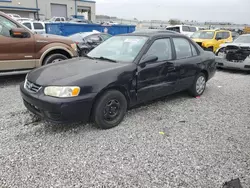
157 79
15 53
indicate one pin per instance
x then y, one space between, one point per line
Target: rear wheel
199 85
53 58
110 109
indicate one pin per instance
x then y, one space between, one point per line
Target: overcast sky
237 11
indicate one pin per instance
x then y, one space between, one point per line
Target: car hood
71 71
235 44
53 38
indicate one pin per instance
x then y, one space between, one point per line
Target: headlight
74 46
62 92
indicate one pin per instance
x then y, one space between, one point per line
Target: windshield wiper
85 55
105 58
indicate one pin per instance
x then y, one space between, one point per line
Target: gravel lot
206 142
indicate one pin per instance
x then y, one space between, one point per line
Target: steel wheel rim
200 84
57 60
112 110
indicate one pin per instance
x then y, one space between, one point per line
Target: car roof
153 35
213 30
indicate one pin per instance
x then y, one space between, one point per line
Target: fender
50 47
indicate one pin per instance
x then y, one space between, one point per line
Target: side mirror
148 59
19 33
218 38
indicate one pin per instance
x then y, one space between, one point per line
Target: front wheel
198 86
53 58
110 109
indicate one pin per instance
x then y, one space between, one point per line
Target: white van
183 29
36 27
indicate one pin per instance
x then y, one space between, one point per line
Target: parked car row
115 73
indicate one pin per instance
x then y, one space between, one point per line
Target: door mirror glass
218 38
19 33
149 59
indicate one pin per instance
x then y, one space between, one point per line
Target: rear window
38 26
27 25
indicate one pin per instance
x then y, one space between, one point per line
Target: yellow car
211 40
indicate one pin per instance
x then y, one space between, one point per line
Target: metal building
46 9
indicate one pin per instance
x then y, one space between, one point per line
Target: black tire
194 91
84 52
102 109
54 57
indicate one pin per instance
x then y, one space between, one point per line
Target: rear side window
62 19
182 48
194 51
27 25
38 26
226 35
185 28
193 29
105 37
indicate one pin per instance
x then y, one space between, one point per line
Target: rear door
157 79
15 53
187 58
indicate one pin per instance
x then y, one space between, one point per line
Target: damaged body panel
235 55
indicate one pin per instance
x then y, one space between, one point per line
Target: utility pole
37 12
75 9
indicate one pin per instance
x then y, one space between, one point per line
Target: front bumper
223 63
58 110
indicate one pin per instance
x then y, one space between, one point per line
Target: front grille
237 53
32 87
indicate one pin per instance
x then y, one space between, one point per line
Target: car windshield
203 35
119 48
243 39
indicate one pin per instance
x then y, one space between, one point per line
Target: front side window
57 20
162 49
119 48
182 48
219 35
38 26
5 26
176 29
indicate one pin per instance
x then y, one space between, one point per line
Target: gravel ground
205 142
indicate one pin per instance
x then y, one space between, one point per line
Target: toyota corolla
120 73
